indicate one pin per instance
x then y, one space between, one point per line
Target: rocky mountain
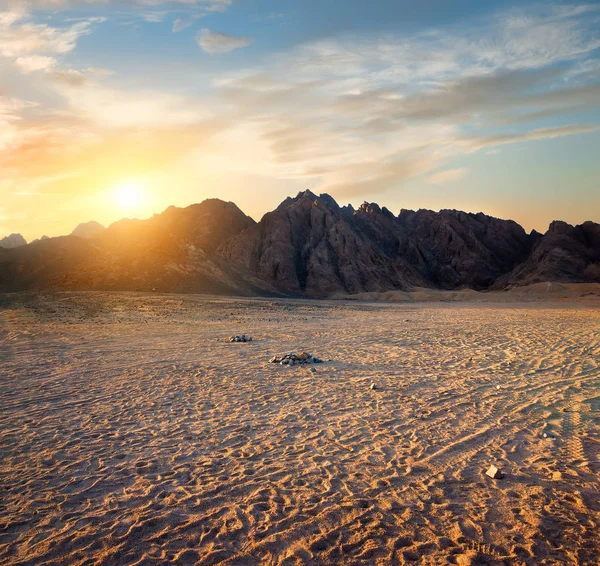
454 249
564 253
170 252
307 246
12 241
88 229
311 245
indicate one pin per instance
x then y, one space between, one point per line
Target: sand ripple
133 433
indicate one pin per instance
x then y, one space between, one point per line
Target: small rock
498 387
373 387
494 473
312 370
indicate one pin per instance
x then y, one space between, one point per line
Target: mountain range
308 246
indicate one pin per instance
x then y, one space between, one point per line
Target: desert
133 432
299 282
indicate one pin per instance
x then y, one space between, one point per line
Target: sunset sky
113 109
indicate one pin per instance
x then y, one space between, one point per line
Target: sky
112 109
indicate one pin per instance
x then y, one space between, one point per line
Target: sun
128 194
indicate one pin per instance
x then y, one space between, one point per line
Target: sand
131 432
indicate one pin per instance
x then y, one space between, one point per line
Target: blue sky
491 106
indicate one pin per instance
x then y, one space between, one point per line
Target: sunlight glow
128 194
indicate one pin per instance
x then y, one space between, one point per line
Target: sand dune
133 433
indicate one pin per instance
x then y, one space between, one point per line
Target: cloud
180 25
366 113
154 17
548 133
212 5
350 115
33 63
215 42
104 107
20 38
450 175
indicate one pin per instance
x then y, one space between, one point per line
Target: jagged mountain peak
372 209
307 246
12 241
308 199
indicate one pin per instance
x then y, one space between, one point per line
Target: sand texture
131 432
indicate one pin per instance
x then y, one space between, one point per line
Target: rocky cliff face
564 253
308 246
12 241
311 245
454 249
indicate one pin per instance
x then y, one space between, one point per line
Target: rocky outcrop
88 229
307 246
453 249
564 253
310 245
12 241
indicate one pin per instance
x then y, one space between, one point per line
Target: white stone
494 473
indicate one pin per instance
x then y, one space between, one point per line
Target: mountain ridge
12 241
307 246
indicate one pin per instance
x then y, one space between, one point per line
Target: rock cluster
292 359
242 338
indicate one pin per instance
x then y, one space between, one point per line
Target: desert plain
133 432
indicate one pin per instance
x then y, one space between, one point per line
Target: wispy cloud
20 37
448 176
154 17
350 115
180 24
214 5
366 113
216 42
32 63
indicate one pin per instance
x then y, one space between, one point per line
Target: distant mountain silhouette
88 229
13 241
307 246
172 251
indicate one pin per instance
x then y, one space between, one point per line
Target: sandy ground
131 432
